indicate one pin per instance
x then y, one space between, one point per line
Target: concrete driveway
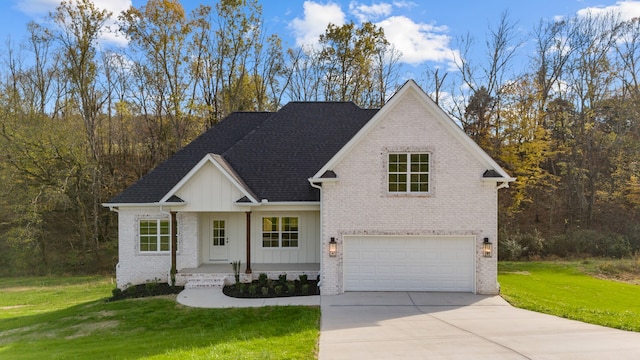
401 325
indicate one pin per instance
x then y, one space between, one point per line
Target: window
408 173
279 232
155 235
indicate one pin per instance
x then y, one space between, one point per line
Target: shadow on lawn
131 329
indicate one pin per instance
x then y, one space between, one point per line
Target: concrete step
204 283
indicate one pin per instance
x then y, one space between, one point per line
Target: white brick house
405 197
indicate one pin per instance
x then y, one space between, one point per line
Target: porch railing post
174 247
248 270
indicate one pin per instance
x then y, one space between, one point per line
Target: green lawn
567 289
68 318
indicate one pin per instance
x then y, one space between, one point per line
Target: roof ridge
255 128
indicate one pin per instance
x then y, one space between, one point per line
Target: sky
424 31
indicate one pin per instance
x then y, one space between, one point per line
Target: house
398 198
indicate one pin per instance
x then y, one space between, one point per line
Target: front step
199 281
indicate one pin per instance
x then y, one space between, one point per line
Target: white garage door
409 263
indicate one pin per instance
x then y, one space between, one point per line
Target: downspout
319 187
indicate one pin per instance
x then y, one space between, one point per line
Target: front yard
603 292
68 318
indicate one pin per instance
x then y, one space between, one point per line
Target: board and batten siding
209 190
308 250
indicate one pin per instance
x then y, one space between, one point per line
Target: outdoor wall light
333 247
487 247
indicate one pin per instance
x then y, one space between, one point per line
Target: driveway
401 325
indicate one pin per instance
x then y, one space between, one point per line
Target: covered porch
209 275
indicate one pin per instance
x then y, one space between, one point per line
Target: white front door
218 249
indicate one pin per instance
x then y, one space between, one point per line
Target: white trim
440 115
114 205
221 165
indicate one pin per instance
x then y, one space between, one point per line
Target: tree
160 30
353 61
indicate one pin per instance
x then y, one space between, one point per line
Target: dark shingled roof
273 153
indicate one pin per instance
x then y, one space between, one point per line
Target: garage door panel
388 263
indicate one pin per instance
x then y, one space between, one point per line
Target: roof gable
411 88
227 171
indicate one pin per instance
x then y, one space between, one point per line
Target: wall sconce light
487 248
333 247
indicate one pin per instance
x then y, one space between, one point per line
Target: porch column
248 271
174 246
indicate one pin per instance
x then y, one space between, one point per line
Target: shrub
291 288
305 289
509 249
151 287
253 289
265 291
518 245
282 279
132 291
278 289
303 278
116 293
588 242
262 279
236 270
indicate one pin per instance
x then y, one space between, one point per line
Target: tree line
567 127
80 121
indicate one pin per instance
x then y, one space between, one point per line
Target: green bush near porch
69 318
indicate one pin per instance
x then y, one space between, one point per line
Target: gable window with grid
408 173
280 232
155 235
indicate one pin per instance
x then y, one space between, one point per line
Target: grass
68 318
572 290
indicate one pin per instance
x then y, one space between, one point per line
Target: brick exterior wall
135 267
459 201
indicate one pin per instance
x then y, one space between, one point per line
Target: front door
218 249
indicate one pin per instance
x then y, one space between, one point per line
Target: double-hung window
155 235
280 232
408 173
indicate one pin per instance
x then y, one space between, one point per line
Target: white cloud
418 42
314 23
369 12
627 10
39 8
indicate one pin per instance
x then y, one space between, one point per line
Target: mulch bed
145 290
272 288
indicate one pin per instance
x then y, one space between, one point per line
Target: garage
409 263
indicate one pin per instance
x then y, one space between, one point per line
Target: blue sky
424 31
